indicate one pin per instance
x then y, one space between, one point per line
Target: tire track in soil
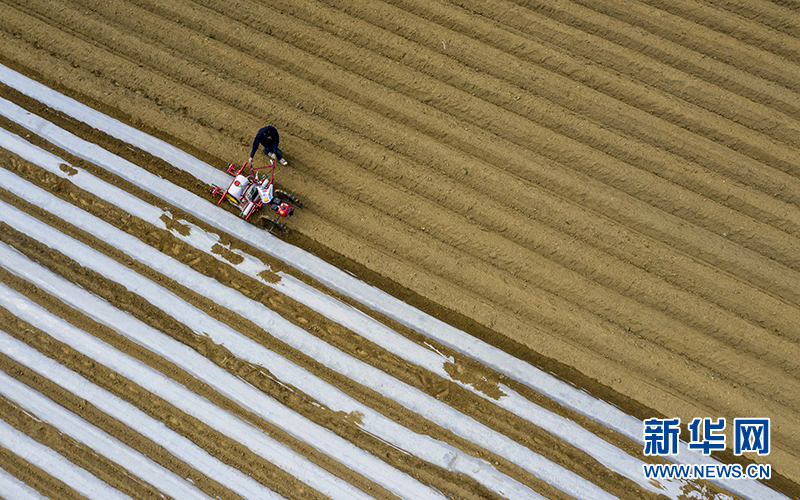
778 17
423 220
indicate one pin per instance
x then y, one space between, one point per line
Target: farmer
268 137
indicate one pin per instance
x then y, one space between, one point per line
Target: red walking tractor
250 194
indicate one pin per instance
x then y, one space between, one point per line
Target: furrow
81 481
645 122
123 467
227 456
212 439
682 95
661 168
431 381
689 61
367 116
676 197
698 38
508 63
205 459
758 31
515 232
236 387
450 190
775 16
663 329
38 127
374 424
97 190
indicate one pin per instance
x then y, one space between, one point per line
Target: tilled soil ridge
587 179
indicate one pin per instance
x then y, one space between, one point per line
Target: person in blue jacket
268 137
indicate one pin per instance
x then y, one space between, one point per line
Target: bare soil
607 189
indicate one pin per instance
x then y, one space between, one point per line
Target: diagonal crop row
706 41
220 300
738 80
419 184
367 416
769 30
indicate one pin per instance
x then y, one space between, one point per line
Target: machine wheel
270 225
280 193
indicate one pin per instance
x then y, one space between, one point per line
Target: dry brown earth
610 190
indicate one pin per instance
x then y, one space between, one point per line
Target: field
608 191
